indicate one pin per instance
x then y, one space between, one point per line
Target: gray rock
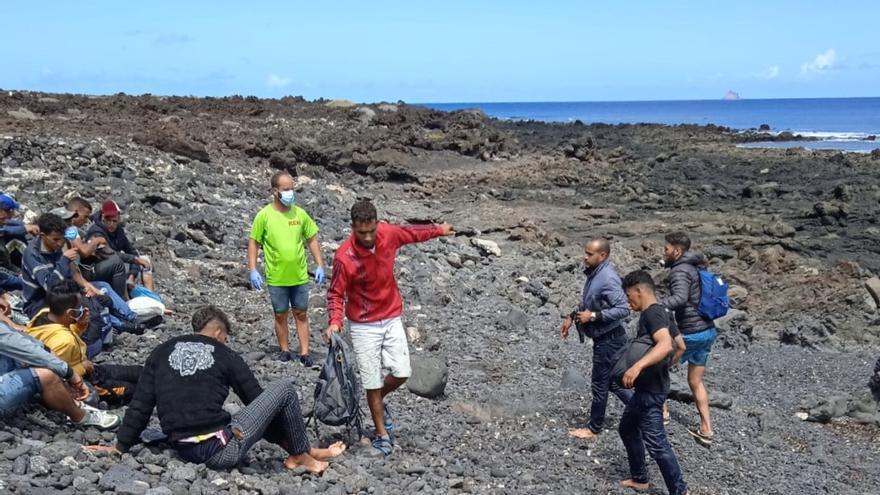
873 286
429 377
133 487
487 247
117 475
20 465
828 409
160 490
454 260
17 451
573 379
184 473
38 466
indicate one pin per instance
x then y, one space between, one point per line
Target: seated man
26 370
187 380
108 226
121 317
13 234
59 327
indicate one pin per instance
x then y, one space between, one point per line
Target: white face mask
286 197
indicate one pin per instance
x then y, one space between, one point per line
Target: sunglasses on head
78 313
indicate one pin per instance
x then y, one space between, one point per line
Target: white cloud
276 81
772 72
823 62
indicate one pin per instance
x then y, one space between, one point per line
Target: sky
448 51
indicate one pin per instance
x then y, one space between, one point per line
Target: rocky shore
796 232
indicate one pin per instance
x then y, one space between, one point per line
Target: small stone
133 487
17 451
20 466
573 379
38 466
454 260
184 473
487 247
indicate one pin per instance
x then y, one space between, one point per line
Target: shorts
699 345
381 348
284 298
17 387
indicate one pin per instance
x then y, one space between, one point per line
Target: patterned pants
278 406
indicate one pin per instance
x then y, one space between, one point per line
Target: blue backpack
714 302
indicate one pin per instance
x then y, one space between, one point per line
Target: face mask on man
287 197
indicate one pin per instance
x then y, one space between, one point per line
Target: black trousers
111 270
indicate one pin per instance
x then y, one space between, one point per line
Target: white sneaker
101 419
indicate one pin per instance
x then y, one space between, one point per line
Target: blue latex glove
256 280
319 275
70 233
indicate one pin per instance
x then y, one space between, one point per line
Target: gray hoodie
25 349
683 299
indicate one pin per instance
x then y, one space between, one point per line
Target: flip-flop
701 438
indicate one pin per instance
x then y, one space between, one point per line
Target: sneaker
388 417
284 356
382 446
307 362
98 418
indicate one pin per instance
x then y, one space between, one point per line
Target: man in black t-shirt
641 426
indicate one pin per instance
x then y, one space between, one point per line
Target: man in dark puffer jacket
683 298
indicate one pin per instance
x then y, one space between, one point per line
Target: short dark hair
604 245
207 314
50 223
363 212
638 277
63 295
79 202
276 177
679 239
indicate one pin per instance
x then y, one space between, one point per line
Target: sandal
701 438
382 445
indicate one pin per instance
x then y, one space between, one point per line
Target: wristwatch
594 316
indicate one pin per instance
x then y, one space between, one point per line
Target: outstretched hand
447 229
566 326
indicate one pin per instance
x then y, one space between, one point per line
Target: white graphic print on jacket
189 357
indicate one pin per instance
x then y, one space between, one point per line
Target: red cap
109 208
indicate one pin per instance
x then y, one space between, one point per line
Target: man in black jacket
683 298
107 225
187 380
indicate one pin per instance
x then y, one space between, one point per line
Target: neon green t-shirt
282 237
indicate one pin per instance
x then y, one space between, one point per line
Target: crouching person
59 328
187 380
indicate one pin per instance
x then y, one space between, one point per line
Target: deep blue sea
841 123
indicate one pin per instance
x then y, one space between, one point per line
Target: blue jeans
641 426
120 308
605 351
284 298
18 386
699 345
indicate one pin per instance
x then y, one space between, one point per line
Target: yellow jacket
63 341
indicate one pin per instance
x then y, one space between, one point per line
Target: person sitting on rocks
283 231
107 225
8 283
59 327
46 261
121 317
80 211
13 234
364 286
187 380
641 424
27 371
683 298
601 314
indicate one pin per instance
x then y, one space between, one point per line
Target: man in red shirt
363 274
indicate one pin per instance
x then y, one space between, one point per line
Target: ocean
840 123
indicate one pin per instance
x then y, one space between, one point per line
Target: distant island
731 95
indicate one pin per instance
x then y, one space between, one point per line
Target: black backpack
338 391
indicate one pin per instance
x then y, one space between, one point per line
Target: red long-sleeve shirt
366 277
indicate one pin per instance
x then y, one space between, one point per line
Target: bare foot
311 464
635 485
334 450
583 434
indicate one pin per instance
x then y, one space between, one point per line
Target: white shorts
381 348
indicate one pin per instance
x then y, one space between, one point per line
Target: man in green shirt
282 230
